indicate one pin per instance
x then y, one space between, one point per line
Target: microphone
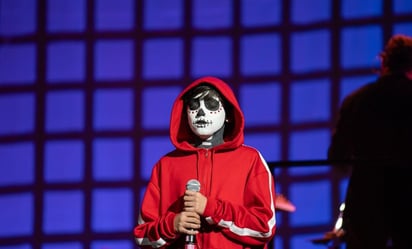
190 242
193 185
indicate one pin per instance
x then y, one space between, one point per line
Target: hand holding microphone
189 219
193 200
192 203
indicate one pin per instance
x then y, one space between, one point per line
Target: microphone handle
190 242
190 246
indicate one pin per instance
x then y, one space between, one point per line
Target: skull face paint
206 115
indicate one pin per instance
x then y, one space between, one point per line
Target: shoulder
248 148
250 151
243 152
360 93
363 89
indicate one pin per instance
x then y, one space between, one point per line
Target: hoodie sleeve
154 231
253 222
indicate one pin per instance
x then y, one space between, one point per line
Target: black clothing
374 130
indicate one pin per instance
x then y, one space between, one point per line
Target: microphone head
193 185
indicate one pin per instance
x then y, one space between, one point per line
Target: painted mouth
202 123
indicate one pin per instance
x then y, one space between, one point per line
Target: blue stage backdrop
86 88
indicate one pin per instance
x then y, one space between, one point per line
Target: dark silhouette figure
374 132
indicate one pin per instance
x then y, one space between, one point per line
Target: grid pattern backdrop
86 88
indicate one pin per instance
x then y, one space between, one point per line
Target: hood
182 136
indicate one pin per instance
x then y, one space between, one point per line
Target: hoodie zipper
200 243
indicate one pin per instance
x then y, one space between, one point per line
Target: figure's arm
154 231
341 146
254 221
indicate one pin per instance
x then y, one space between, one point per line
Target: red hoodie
240 189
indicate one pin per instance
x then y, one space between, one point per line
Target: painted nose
200 113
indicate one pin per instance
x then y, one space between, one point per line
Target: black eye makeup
212 104
193 104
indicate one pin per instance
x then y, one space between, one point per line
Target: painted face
206 116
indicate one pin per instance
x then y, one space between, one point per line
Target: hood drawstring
197 166
212 156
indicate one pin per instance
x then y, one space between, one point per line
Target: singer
212 191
